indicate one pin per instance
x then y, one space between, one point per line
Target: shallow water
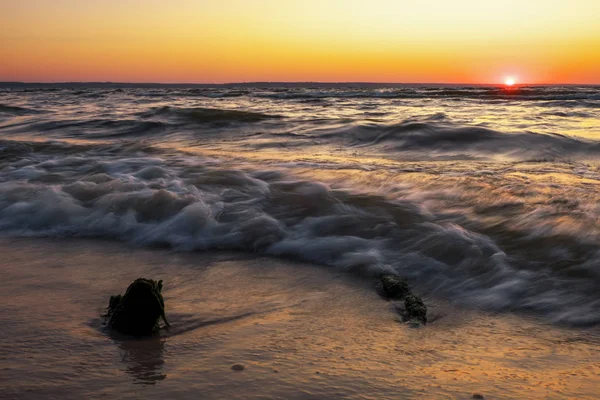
481 196
300 331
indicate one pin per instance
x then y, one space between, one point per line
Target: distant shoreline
332 85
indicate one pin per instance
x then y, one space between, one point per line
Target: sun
509 81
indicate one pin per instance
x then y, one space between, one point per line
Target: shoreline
299 330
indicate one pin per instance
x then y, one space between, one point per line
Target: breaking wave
142 196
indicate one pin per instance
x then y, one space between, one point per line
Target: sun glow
509 81
187 41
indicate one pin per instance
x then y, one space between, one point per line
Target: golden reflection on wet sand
301 331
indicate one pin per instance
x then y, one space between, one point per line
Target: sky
219 41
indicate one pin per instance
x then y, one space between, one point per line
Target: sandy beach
300 331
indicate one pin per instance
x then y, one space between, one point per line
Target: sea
485 199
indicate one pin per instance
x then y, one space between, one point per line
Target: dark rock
238 367
114 302
139 310
394 287
416 310
478 396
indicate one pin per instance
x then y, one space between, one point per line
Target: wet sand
300 331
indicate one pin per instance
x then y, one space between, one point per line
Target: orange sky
460 41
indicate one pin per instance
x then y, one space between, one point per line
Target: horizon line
246 83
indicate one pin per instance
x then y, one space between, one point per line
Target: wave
97 128
13 110
208 115
427 136
212 93
568 114
569 104
589 95
12 149
148 198
433 136
483 93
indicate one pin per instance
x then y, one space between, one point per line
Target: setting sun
509 81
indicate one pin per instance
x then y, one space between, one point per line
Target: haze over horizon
382 41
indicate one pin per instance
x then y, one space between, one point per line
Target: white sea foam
189 203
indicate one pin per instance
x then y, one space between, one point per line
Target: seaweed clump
139 310
395 288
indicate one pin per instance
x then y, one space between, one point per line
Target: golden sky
454 41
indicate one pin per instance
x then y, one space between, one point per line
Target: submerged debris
395 288
416 310
139 310
238 367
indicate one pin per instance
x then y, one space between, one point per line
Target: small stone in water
238 367
478 396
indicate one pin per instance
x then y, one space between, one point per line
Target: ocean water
483 197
